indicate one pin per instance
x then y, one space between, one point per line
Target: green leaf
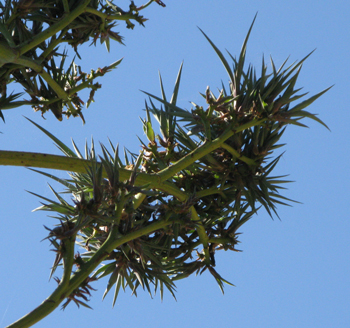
176 87
150 132
65 149
112 280
117 288
298 112
222 58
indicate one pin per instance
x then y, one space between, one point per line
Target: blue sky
291 273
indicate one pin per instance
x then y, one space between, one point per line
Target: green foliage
31 37
217 191
155 217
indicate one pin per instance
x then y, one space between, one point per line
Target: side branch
203 150
53 301
57 162
79 165
52 30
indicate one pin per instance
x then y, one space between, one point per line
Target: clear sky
291 273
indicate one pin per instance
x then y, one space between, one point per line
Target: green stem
145 5
236 154
60 293
47 77
203 237
7 54
207 192
71 164
97 73
120 16
203 150
55 28
57 162
52 302
65 6
53 44
114 239
68 260
119 208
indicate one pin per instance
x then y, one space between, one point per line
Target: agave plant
151 218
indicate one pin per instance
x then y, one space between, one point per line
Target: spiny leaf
65 149
222 58
176 87
297 110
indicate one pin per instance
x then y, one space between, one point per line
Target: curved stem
68 259
53 301
114 239
7 54
120 16
53 44
145 5
47 77
203 150
52 30
236 154
203 237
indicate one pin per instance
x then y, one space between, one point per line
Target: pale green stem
114 239
53 44
145 5
96 12
203 150
203 237
121 16
65 6
57 162
71 164
55 28
92 76
80 165
208 192
57 296
52 302
47 77
68 259
12 55
57 88
236 154
7 54
119 208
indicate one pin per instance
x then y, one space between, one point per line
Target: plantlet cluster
150 218
31 34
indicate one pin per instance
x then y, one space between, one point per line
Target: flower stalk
141 221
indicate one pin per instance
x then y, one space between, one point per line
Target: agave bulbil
160 215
